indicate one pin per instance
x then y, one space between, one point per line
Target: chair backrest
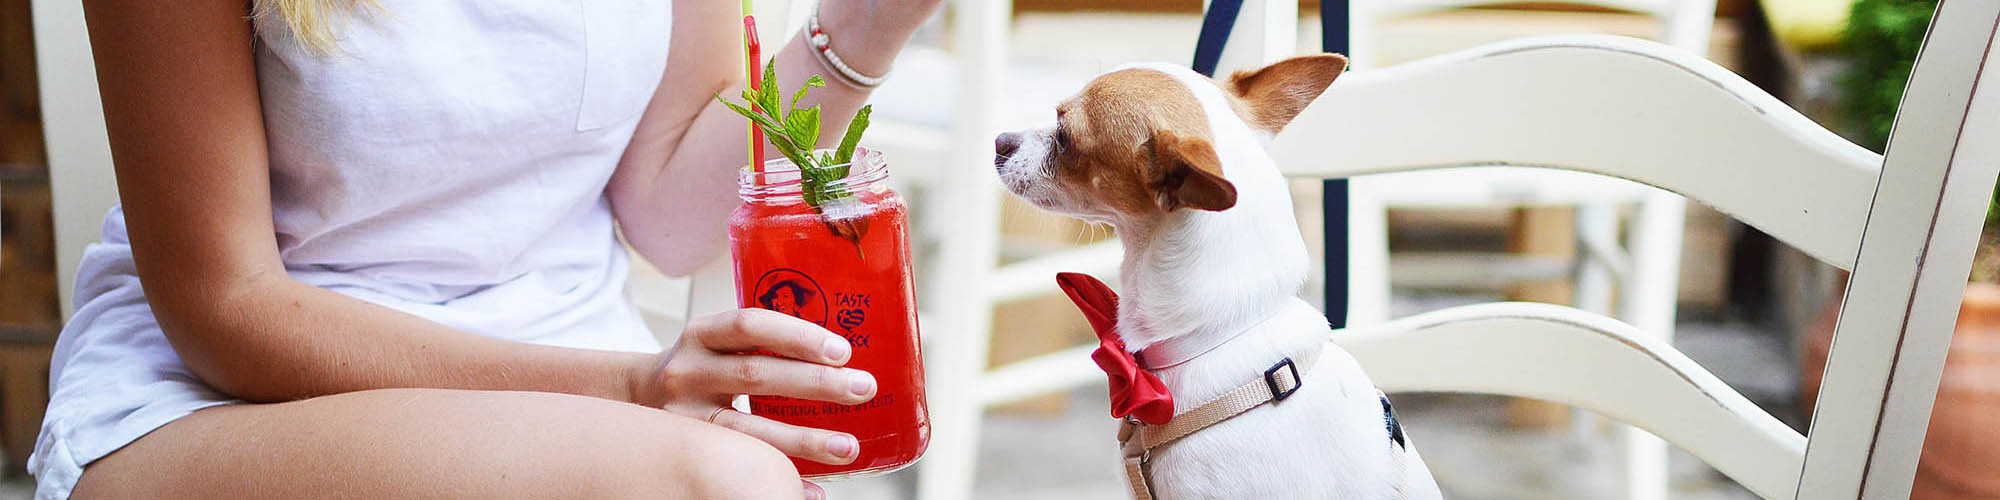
1905 224
1646 113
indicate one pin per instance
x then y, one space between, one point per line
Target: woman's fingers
827 447
745 330
773 376
814 492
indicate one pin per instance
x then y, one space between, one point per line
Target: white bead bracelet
822 45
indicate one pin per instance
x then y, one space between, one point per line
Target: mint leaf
767 91
795 132
802 126
814 81
845 153
763 122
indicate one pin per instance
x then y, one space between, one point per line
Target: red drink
792 259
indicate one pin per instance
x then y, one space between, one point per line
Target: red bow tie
1134 391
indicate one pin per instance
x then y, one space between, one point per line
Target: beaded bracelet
822 46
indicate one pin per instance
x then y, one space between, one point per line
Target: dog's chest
1326 441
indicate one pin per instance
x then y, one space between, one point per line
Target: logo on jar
793 293
853 311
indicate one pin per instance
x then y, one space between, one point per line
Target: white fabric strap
1174 351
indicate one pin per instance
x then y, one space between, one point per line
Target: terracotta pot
1961 457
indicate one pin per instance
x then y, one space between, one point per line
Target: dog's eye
1062 140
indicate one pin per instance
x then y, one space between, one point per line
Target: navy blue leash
1215 27
1333 24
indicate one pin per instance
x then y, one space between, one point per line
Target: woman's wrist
643 380
868 33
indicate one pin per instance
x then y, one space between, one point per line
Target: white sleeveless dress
449 161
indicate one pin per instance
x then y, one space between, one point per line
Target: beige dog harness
1138 439
1140 397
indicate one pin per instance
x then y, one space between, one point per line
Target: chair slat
1543 351
1644 112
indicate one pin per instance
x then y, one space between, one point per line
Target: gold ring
717 413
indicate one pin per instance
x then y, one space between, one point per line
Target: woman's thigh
426 443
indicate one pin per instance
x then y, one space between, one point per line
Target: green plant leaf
767 90
751 98
763 122
773 132
845 153
814 81
795 133
803 127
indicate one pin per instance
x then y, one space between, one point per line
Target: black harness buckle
1271 379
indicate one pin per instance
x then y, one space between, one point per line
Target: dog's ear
1187 174
1277 93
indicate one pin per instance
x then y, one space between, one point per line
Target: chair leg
1645 464
970 218
1595 223
1545 232
1368 257
1647 301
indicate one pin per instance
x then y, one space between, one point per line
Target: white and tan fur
1177 163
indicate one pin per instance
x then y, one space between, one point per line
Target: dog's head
1139 142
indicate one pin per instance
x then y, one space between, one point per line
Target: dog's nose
1004 146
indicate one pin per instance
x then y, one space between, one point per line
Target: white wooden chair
1266 31
1643 271
1905 225
1640 276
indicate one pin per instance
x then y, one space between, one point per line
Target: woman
366 249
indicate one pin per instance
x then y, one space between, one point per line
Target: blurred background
1753 311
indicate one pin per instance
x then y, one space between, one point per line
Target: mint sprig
795 132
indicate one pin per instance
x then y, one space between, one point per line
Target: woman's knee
722 463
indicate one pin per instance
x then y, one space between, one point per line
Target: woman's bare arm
187 137
676 184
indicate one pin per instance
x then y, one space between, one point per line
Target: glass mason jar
846 267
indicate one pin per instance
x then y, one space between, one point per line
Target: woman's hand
714 362
676 184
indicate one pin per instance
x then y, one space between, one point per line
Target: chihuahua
1262 404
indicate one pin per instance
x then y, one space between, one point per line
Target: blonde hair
311 22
